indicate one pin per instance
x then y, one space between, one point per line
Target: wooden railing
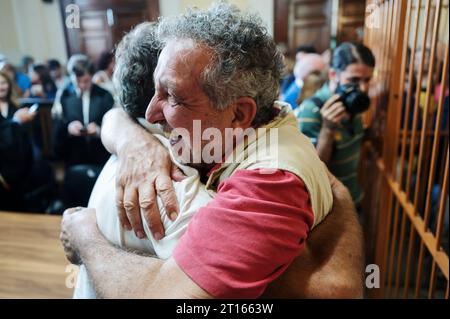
404 167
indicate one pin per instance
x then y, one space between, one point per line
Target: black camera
354 100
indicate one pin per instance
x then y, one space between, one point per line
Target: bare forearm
116 273
325 144
118 129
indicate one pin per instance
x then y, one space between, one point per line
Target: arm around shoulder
118 129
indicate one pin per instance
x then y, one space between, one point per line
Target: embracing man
219 68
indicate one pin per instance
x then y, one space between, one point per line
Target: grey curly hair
136 59
245 62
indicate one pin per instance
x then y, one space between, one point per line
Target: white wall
9 39
31 27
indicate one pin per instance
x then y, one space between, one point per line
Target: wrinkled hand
333 112
76 224
145 171
23 115
75 128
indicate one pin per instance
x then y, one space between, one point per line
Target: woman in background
8 108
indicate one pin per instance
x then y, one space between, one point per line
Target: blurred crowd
51 115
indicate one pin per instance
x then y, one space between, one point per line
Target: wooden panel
310 33
309 23
32 260
95 36
299 22
350 21
309 10
103 23
281 22
125 20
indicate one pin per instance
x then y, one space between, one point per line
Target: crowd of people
77 97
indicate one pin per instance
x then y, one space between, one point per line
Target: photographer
332 117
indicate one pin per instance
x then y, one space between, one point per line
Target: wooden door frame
281 21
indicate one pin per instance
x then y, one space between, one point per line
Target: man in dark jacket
83 106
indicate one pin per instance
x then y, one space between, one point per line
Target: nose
154 113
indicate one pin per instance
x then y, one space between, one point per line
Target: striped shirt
347 140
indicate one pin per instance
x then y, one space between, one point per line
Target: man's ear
244 111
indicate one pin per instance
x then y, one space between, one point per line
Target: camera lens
354 100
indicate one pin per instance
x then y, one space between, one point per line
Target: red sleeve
248 235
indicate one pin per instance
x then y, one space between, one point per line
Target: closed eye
173 101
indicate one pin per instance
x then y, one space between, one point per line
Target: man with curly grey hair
221 68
